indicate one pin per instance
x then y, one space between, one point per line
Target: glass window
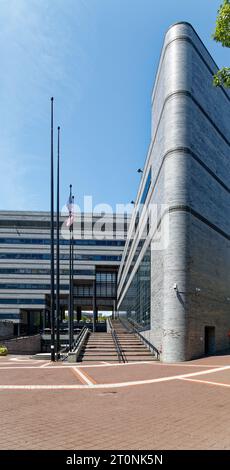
136 303
146 188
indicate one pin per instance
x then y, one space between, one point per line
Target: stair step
95 359
89 353
101 347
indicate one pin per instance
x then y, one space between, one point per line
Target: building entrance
209 340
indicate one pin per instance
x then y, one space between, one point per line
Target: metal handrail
110 323
64 353
136 331
80 341
75 344
120 354
116 346
74 354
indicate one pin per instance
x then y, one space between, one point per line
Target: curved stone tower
190 279
187 170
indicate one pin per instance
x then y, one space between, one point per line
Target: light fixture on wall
139 170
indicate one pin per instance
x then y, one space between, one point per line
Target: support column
29 324
94 305
115 300
78 313
41 322
44 320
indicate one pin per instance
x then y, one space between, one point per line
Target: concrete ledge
23 345
72 357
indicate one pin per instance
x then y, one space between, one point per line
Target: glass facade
22 301
64 272
146 188
83 290
46 256
137 300
106 284
16 286
10 316
46 241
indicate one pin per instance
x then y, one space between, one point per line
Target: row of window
146 188
137 219
135 256
30 286
10 316
136 302
106 290
46 241
46 256
82 225
21 301
102 290
64 272
105 277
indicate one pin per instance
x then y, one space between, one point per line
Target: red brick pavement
166 415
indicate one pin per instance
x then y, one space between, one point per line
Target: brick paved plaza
131 406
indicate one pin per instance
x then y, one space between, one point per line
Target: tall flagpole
70 269
58 254
52 297
72 289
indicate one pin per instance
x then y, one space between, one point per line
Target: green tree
222 35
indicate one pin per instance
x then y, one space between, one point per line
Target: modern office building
25 266
173 281
178 291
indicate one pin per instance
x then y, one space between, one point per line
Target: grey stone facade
189 157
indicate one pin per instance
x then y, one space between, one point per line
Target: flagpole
52 297
58 255
70 266
72 288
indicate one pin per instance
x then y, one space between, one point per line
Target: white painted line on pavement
18 359
85 378
44 365
49 366
206 382
110 385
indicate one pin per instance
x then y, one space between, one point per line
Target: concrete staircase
99 347
132 347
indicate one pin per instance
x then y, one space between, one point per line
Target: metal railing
78 345
135 330
120 353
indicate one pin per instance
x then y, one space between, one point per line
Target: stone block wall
23 345
6 329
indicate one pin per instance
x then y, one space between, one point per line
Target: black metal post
79 313
115 301
70 269
58 255
52 296
72 287
94 304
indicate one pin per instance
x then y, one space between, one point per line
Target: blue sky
98 58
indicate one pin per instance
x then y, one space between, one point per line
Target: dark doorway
209 340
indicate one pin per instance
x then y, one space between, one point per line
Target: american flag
70 220
70 203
